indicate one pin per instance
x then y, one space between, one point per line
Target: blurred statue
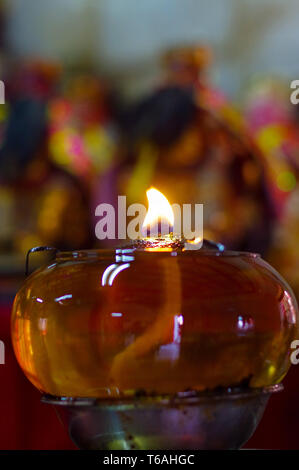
188 141
40 204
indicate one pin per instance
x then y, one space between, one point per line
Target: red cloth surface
25 423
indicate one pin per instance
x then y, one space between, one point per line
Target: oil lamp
154 345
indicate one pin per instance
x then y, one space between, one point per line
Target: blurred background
105 98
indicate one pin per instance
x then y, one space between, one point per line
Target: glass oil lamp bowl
155 346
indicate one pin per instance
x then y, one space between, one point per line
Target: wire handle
36 249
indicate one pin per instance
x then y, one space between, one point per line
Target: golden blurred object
43 210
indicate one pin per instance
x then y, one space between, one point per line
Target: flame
158 209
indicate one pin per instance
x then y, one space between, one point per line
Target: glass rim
127 251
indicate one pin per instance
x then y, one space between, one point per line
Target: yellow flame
195 241
158 208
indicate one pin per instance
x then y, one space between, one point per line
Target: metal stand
216 420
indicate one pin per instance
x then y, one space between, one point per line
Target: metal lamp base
216 420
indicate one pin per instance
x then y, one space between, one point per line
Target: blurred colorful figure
274 123
82 136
